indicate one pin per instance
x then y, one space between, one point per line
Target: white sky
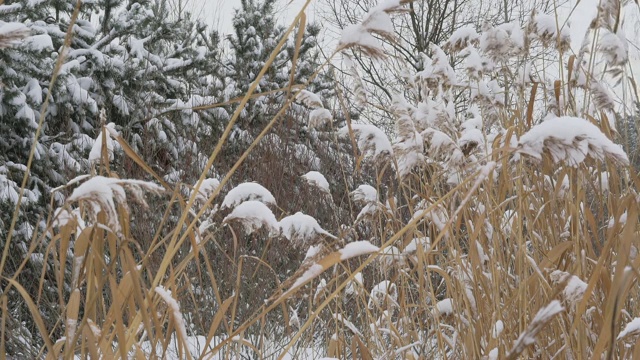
219 13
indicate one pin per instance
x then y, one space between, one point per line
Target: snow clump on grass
318 180
253 215
300 227
571 140
249 191
99 192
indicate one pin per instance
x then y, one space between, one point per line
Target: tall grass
485 250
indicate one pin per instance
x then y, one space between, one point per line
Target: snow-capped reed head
371 141
540 320
12 33
573 287
608 14
461 38
365 194
570 140
403 112
408 146
614 47
318 181
544 28
376 22
100 192
601 97
319 118
253 215
475 64
300 228
206 189
503 41
247 191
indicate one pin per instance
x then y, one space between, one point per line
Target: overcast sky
219 13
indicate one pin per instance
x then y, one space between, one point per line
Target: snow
498 327
386 5
365 193
437 215
248 191
253 215
207 188
543 316
357 248
438 141
349 325
471 137
199 349
371 140
462 37
12 32
445 307
354 284
474 63
358 35
390 257
121 104
495 41
369 209
321 290
632 328
63 217
174 309
621 220
548 312
95 155
27 113
545 26
525 75
574 288
313 251
10 27
615 48
317 179
100 191
319 117
294 320
309 99
415 243
312 272
301 227
33 91
39 42
439 69
482 256
383 292
408 145
377 21
604 181
570 139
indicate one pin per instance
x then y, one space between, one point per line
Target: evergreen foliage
141 65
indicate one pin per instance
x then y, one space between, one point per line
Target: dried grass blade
302 23
35 312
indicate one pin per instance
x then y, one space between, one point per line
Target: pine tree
143 65
292 148
256 35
